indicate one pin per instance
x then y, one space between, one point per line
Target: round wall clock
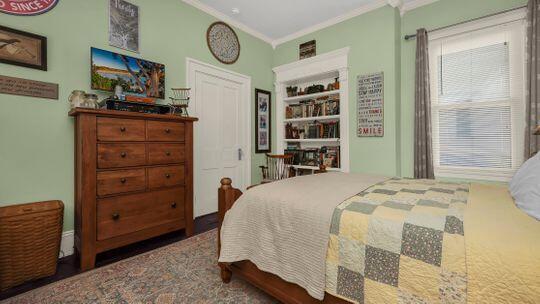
223 42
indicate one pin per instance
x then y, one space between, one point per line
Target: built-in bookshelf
312 107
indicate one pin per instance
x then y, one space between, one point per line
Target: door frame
192 67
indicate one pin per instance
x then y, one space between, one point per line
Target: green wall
36 135
372 40
377 44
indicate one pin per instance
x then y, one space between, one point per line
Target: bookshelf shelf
310 96
314 118
323 117
315 168
315 140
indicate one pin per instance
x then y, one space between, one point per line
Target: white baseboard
67 243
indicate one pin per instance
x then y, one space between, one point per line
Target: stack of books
313 108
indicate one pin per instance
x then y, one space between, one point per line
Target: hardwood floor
68 266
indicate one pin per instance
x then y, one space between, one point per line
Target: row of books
326 155
312 130
323 106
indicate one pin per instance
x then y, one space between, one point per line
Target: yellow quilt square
453 253
376 293
419 278
429 210
354 225
392 214
332 255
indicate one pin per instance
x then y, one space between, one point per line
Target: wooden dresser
134 178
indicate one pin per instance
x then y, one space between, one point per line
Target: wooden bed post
227 195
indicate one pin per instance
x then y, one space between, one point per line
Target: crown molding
221 16
410 5
356 12
399 4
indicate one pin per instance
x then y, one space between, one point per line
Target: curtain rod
412 36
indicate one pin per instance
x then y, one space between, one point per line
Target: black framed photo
23 48
263 121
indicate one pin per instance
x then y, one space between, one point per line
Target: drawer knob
167 130
167 175
115 216
168 153
173 205
123 180
123 154
122 129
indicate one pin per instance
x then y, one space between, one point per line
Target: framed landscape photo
23 49
124 25
263 122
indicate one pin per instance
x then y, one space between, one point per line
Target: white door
220 148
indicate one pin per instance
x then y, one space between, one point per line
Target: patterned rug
183 272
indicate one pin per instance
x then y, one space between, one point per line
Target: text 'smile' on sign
370 106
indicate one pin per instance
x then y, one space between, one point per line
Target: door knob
123 154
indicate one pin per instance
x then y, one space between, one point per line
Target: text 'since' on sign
26 7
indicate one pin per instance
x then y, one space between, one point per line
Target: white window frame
515 20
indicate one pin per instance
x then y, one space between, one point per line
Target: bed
351 238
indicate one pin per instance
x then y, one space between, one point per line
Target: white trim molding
354 13
67 243
410 5
366 8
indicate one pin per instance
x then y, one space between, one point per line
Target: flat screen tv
138 77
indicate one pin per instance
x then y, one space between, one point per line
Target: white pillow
525 187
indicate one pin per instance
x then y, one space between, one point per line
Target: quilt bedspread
400 241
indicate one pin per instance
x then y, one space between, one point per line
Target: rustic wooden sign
371 105
27 87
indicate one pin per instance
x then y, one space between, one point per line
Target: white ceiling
277 21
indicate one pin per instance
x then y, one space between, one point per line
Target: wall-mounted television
137 77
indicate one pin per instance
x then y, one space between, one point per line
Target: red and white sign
27 7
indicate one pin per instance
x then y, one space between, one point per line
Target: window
477 95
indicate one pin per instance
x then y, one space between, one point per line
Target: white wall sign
370 108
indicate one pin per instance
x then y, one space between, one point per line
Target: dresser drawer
160 154
159 177
131 213
114 129
119 181
164 131
120 155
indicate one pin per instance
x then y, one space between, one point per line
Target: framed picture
124 25
23 49
263 121
308 49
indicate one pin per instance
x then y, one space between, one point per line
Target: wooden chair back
277 167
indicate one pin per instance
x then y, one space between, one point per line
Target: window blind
477 102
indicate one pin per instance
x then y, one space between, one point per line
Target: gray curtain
423 153
532 143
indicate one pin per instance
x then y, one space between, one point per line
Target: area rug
183 272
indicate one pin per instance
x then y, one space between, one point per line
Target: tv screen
136 76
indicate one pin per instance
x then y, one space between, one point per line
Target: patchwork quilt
399 241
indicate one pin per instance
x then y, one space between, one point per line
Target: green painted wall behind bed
376 41
36 135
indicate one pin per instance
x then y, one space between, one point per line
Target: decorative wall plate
223 42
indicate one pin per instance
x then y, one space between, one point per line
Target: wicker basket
29 241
